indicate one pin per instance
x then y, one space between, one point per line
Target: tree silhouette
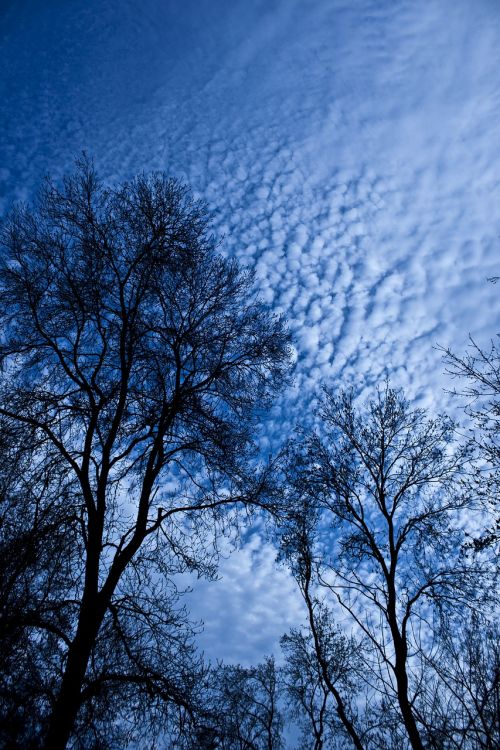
133 358
245 707
374 537
479 370
460 701
321 677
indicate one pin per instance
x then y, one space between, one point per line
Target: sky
348 151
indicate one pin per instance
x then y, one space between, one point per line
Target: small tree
318 703
460 697
133 357
374 535
35 520
322 642
245 714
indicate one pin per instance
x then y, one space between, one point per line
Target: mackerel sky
350 153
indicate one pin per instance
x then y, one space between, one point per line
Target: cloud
248 609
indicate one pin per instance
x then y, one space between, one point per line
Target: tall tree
133 358
376 534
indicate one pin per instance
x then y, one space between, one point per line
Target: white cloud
247 610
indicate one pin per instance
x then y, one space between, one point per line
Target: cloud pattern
349 152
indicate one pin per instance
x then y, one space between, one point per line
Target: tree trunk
68 701
401 655
404 703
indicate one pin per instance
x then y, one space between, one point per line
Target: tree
460 697
322 643
133 358
320 676
242 711
37 540
480 369
375 534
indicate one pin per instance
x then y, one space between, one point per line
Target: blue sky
349 152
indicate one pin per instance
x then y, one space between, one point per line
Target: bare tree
313 701
245 712
35 519
239 710
377 536
479 370
307 694
133 358
460 697
298 535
